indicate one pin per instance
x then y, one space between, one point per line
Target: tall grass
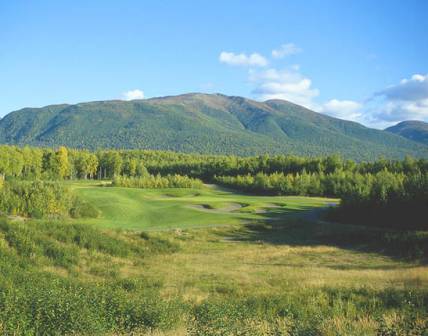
37 302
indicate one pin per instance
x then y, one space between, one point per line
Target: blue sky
358 60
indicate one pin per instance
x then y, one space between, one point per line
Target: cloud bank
404 101
288 84
286 50
273 83
242 59
133 94
343 109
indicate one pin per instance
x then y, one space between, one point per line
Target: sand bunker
228 208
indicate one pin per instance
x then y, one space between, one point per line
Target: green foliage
42 199
84 164
31 163
202 123
157 182
381 199
35 199
386 199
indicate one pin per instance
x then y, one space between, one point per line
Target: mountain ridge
203 123
415 130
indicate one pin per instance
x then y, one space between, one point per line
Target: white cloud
343 109
395 111
404 101
242 59
287 84
286 50
415 88
133 94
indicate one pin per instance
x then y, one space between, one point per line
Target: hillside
413 129
207 123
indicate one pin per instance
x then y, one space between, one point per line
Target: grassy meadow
208 261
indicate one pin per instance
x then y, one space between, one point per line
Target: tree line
65 163
393 199
156 181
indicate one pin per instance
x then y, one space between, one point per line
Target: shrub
35 199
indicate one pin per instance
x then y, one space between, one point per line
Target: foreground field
209 262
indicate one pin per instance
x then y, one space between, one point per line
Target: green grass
157 209
236 265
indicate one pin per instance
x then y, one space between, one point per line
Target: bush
42 199
35 199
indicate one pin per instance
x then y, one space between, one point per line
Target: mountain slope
412 129
202 123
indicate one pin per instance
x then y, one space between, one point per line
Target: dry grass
208 265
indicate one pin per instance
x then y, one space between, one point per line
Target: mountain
204 123
412 129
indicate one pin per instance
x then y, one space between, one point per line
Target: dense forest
382 192
63 163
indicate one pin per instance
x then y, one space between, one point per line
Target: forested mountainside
202 123
412 129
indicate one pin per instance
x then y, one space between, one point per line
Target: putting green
157 209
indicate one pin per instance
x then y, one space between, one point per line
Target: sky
365 61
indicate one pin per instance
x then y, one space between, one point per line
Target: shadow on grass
305 227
